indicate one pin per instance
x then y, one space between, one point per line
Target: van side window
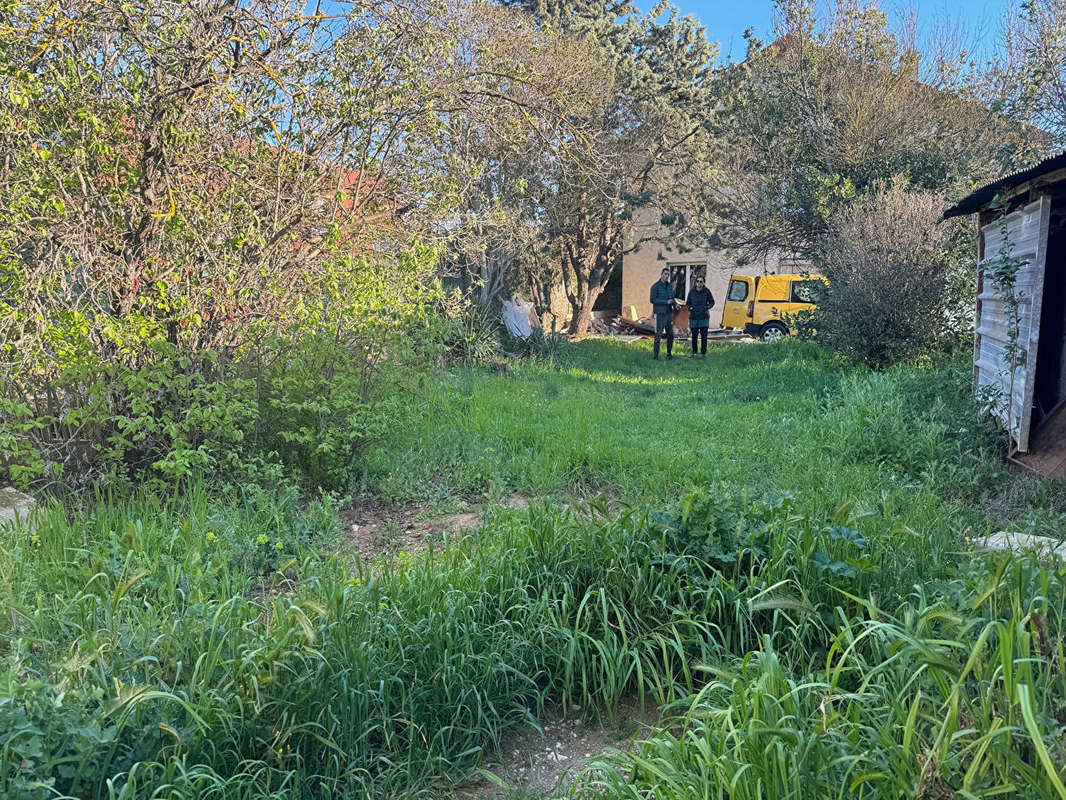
806 291
738 291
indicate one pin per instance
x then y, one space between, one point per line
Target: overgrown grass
814 618
166 673
908 442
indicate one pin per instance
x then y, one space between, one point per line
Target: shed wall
1021 235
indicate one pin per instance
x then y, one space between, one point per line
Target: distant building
641 268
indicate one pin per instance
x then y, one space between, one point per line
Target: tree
1029 81
524 88
895 271
182 182
643 142
833 107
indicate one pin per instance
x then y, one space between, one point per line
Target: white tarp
518 316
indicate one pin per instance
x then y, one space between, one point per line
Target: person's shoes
669 356
655 357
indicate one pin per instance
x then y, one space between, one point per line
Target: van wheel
772 331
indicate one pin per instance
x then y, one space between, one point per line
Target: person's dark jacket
700 302
662 297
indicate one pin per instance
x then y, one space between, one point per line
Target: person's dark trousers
664 323
701 334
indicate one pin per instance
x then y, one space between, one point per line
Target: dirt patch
1014 495
375 528
546 764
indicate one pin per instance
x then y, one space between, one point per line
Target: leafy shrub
458 331
305 395
171 415
896 273
318 402
307 404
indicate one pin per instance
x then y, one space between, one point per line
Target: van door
803 297
737 301
773 295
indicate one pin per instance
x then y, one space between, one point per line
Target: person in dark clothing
700 302
663 304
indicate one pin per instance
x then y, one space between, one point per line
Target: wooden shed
1022 218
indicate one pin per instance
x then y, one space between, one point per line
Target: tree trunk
589 258
579 323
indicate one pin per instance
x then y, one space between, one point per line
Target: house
642 264
1019 361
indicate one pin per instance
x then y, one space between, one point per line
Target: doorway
1049 391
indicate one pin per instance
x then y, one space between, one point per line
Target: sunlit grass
782 566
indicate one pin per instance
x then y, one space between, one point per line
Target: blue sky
726 20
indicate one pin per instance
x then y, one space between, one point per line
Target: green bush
140 402
900 284
318 403
457 331
171 416
308 405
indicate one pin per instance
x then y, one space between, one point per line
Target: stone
15 507
1045 547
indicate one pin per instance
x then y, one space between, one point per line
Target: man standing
700 302
663 303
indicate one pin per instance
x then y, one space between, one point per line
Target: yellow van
760 305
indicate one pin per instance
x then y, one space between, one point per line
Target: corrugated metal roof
980 197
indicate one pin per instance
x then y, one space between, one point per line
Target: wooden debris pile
645 327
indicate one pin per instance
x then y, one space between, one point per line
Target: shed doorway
1049 390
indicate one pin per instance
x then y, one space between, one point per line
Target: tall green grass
957 693
161 676
159 671
811 615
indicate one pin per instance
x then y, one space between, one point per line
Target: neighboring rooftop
978 198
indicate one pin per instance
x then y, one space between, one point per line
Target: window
738 292
682 277
806 291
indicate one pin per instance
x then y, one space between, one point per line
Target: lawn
766 419
767 545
